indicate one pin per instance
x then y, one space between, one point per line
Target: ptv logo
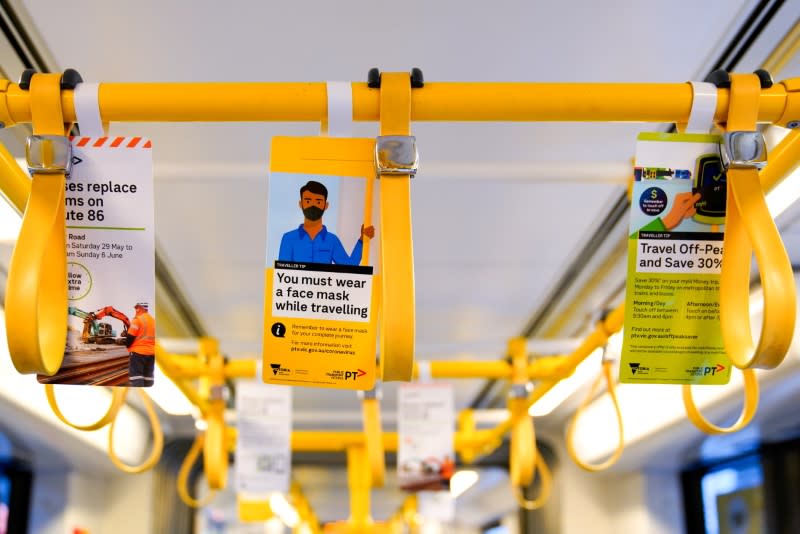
354 374
713 370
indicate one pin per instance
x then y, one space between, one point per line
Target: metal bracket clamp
218 393
374 393
744 150
48 154
520 391
396 154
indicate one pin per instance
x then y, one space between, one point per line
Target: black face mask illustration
313 213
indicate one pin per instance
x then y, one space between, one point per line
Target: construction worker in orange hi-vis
141 342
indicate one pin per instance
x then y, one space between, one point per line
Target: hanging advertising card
320 308
672 333
263 439
110 264
425 423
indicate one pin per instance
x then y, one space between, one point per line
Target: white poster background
264 433
110 240
426 422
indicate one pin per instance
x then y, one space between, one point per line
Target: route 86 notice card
110 264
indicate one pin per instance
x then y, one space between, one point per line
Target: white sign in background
110 228
426 423
264 433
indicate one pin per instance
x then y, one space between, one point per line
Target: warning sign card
110 264
672 333
320 299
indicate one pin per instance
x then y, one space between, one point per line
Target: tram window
5 502
733 497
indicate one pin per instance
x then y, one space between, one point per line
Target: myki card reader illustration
710 182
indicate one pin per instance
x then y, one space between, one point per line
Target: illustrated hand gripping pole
524 459
396 163
36 292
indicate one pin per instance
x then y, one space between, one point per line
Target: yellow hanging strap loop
607 373
158 439
182 482
36 292
748 409
397 258
215 452
373 439
524 459
117 400
522 456
749 228
545 488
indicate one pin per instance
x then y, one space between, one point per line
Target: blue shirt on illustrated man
311 241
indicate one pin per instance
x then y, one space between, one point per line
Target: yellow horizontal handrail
437 101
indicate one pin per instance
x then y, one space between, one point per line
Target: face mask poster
320 313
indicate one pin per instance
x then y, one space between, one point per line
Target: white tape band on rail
424 371
87 109
340 109
704 104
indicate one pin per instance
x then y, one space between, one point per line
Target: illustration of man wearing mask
311 241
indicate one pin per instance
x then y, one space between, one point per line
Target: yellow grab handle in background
546 487
397 251
749 228
118 395
36 291
158 439
182 482
215 451
748 410
373 441
607 373
522 456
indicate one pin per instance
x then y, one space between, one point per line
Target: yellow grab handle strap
607 373
749 228
522 456
36 291
373 436
158 440
397 258
182 482
215 451
748 410
117 400
546 487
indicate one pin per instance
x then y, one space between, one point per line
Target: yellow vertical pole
358 481
215 452
523 439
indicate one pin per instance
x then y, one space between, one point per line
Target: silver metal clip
219 392
520 391
396 154
744 150
48 154
374 393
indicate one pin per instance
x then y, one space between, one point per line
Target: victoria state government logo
638 368
278 370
